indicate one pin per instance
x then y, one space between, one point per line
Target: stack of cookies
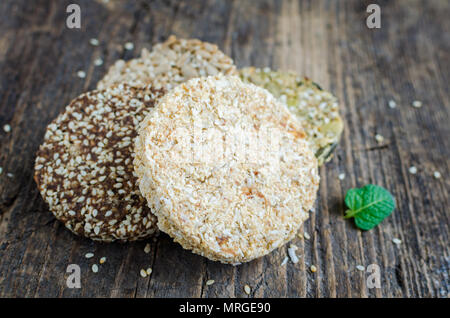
225 161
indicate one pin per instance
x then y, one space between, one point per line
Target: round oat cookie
316 109
169 64
226 169
84 168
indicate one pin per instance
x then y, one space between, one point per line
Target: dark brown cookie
84 168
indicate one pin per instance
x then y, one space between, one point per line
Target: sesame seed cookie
84 169
170 63
226 169
316 109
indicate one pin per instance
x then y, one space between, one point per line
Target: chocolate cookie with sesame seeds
84 168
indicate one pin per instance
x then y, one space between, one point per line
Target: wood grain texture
407 59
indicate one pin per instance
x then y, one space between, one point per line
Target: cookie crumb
412 170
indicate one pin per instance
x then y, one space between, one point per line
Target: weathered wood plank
406 60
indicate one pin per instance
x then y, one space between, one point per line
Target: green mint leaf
369 205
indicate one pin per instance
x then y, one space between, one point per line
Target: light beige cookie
169 64
226 169
316 109
84 168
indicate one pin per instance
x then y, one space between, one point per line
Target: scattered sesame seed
247 289
102 260
417 104
392 104
397 241
306 235
341 176
149 271
81 74
313 268
360 268
284 262
129 46
436 174
94 42
7 128
95 268
1 170
210 282
98 62
10 175
291 253
379 138
89 255
143 273
147 248
413 170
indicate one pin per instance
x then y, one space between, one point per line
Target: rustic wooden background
407 59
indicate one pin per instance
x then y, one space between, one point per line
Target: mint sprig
369 205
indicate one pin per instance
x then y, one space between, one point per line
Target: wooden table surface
406 59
